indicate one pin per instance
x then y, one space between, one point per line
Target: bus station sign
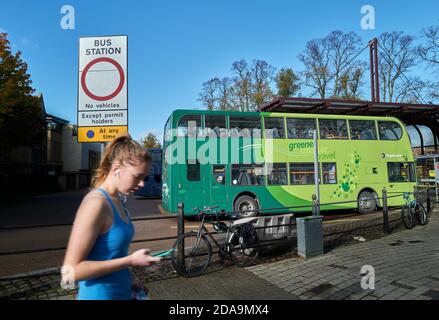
102 88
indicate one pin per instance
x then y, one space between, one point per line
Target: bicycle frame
203 230
411 203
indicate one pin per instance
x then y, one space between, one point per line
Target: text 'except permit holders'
96 118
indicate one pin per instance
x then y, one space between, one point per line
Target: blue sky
174 46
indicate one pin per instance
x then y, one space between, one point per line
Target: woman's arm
90 221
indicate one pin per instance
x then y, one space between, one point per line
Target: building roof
408 113
56 119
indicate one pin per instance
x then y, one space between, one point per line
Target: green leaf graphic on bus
348 183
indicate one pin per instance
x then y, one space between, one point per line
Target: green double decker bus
251 161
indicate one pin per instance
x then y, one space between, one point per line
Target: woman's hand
141 258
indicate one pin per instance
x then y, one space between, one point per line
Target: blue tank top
111 245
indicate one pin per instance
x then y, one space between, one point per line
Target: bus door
218 184
191 185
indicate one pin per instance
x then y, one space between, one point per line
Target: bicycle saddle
220 226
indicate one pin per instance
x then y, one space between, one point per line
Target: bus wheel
247 207
366 202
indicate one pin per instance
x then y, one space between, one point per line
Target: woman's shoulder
93 206
94 198
94 194
92 212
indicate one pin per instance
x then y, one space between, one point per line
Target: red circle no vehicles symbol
115 92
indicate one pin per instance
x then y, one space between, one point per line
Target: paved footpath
406 266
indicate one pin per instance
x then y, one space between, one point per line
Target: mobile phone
162 253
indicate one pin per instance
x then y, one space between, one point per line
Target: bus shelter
415 115
427 170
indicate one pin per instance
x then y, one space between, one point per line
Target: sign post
102 88
316 173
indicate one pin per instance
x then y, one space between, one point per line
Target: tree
241 87
343 48
433 94
429 51
287 82
150 141
328 60
246 90
208 95
20 122
397 57
350 83
261 74
225 93
412 90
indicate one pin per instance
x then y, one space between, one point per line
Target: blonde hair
122 149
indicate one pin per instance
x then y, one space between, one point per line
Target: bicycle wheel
407 217
197 255
421 213
241 254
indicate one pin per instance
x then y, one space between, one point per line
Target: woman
97 252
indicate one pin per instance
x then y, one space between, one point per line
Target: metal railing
262 213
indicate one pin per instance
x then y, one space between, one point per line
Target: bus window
277 175
245 127
274 128
167 132
153 181
425 168
248 175
300 128
329 171
156 156
193 171
389 130
302 173
333 129
189 126
215 126
219 174
401 172
362 130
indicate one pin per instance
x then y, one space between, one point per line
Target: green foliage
287 82
20 121
150 141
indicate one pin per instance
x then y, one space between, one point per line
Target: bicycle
411 209
197 253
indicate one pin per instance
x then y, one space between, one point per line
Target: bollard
415 193
315 206
428 200
385 212
180 233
